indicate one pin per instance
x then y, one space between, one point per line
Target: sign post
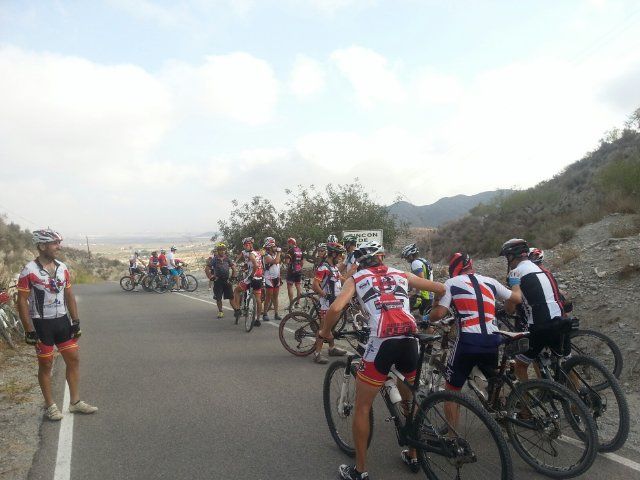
365 235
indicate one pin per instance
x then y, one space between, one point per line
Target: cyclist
253 262
383 293
134 266
319 255
541 304
218 270
420 300
154 263
173 270
272 279
49 315
349 266
536 255
295 261
327 284
162 263
471 299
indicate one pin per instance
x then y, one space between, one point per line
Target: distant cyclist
154 263
421 300
49 315
253 277
220 269
295 261
349 266
319 256
383 293
162 262
135 268
272 278
173 270
327 283
471 298
542 304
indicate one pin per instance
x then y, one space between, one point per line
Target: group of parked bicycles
556 422
158 282
11 329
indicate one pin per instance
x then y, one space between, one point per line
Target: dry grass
627 230
567 255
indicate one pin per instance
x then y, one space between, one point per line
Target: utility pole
88 251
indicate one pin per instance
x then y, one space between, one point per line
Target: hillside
444 210
605 181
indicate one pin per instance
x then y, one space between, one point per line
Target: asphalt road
184 395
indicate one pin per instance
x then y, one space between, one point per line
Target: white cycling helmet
46 235
332 239
411 249
269 242
367 251
536 255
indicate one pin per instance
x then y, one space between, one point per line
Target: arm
207 272
316 287
424 284
70 301
438 313
23 310
515 299
333 314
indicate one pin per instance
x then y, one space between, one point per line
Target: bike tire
340 421
596 344
554 392
250 314
5 330
146 283
296 327
158 285
189 283
600 400
431 418
126 284
14 322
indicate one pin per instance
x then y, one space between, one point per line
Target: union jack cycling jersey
383 293
46 299
247 260
473 298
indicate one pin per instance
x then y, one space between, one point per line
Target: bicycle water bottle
392 390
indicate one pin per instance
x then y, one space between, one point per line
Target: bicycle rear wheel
126 284
297 333
601 393
595 344
541 422
146 283
189 283
338 398
471 448
250 313
158 284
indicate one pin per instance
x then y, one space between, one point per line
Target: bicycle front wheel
338 397
189 283
595 344
146 283
250 313
601 393
158 284
126 284
471 447
542 420
297 333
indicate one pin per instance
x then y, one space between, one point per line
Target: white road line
65 440
611 456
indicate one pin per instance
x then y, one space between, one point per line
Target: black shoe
256 323
236 315
412 463
349 472
277 317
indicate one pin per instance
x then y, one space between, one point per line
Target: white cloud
373 80
166 16
307 77
431 87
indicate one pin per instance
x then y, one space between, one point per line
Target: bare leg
45 365
71 358
365 394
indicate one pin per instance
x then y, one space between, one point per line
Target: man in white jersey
173 270
383 293
45 303
272 281
349 265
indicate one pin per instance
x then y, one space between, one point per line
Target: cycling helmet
221 246
163 251
459 263
411 249
246 240
45 235
332 239
515 247
366 252
335 247
291 241
349 239
536 255
322 246
269 242
173 248
154 254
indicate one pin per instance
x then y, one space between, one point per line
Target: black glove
31 338
329 297
75 329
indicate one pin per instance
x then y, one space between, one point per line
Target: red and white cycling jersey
247 260
329 278
47 291
383 293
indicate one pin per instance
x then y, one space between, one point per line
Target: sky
148 116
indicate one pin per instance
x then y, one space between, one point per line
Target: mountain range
444 210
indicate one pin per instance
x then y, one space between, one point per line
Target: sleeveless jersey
383 293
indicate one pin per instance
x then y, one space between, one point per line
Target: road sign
365 235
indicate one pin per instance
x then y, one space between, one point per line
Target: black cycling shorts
222 289
380 354
554 335
294 277
53 331
462 361
164 270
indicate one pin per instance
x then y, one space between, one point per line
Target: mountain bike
598 389
164 283
248 308
547 424
471 448
11 329
583 342
128 285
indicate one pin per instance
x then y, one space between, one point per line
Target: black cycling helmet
516 247
335 247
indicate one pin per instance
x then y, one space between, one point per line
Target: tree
257 218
